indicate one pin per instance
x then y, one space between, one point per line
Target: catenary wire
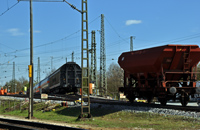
9 8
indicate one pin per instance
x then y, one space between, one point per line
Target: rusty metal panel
171 57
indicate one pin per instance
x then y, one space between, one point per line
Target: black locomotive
66 79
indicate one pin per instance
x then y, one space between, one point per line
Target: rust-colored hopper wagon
166 72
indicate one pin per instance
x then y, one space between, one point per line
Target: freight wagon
66 79
167 72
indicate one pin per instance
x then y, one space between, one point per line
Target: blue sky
57 30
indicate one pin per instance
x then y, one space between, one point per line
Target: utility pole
13 79
38 70
30 111
103 80
31 65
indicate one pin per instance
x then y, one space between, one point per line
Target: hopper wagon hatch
166 72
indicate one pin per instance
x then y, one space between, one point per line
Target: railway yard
153 86
68 110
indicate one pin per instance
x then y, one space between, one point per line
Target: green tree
23 82
18 84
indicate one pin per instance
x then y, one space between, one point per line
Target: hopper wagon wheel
75 91
184 98
163 101
130 97
149 99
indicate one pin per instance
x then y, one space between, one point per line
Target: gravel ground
148 109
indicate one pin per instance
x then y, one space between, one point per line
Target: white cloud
37 31
15 32
129 22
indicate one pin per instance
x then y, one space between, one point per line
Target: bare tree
198 70
114 78
22 82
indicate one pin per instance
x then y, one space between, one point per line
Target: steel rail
27 125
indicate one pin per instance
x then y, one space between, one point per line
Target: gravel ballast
136 109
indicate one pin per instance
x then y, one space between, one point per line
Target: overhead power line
8 61
7 46
175 40
186 39
53 42
9 8
73 7
115 30
64 38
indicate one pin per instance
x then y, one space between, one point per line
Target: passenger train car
66 79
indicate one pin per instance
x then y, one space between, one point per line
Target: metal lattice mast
72 56
85 109
103 82
92 57
38 70
131 43
93 68
13 78
95 61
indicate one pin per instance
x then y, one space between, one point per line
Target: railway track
102 100
12 124
98 102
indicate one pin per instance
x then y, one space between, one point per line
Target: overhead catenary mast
38 70
72 56
131 43
51 64
103 79
85 109
92 57
93 68
13 78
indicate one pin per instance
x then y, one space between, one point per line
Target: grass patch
109 118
